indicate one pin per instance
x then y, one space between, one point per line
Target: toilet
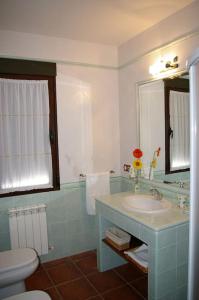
33 295
15 266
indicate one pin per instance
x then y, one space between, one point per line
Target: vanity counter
155 221
167 236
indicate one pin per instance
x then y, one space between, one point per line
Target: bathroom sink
145 203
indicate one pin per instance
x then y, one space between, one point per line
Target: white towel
97 184
140 255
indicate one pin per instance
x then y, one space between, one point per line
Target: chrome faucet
157 195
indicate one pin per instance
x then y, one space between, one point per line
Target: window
179 124
177 139
28 130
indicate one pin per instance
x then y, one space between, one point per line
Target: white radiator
28 228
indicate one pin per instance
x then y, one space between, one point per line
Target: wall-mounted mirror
164 122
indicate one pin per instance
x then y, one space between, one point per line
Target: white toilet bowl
15 266
33 295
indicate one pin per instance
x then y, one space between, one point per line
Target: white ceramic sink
145 203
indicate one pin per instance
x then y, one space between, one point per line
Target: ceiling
109 22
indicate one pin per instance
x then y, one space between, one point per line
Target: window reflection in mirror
164 122
177 141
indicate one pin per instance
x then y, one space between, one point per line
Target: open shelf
133 245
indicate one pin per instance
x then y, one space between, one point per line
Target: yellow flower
137 164
154 163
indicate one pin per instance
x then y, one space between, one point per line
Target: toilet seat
18 258
33 295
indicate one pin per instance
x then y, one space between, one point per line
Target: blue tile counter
166 235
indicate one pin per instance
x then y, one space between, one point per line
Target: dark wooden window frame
179 85
53 135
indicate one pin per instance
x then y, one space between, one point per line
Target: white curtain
25 152
179 123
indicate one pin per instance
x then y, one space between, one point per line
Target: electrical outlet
51 248
126 168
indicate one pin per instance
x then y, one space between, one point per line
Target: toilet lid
33 295
12 259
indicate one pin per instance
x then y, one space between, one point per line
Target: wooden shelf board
133 245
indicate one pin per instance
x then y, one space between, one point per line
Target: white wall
137 70
91 135
88 121
87 99
32 46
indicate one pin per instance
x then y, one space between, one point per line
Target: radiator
28 228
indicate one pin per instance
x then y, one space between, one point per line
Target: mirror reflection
177 137
164 123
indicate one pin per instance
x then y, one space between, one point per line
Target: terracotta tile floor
77 278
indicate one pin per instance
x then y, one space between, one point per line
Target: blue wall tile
70 229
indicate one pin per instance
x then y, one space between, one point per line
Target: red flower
137 153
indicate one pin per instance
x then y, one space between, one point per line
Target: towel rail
84 175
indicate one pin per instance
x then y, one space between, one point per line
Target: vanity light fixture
164 64
172 64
